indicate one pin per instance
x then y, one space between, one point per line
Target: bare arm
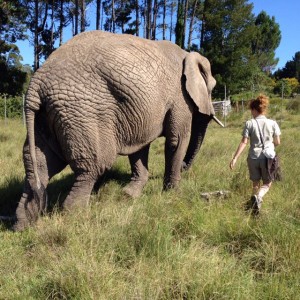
238 152
276 140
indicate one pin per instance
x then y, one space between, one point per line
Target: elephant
101 95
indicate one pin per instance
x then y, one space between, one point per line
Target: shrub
293 106
14 106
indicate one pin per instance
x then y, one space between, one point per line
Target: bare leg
263 190
139 172
255 187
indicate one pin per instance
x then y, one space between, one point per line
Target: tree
172 7
286 87
118 15
193 14
265 42
227 33
291 68
179 36
12 77
98 13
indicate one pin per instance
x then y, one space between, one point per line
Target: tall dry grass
164 245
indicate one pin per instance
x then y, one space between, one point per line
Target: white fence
222 107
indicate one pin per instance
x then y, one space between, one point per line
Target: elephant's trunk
199 125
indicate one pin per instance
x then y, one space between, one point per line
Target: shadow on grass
58 189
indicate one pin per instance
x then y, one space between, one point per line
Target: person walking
256 129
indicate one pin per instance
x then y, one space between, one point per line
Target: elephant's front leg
139 172
175 149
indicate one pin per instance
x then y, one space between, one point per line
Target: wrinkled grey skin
101 95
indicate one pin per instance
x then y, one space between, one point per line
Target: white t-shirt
269 129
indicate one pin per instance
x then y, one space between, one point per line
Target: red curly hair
260 104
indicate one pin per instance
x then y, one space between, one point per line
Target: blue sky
286 13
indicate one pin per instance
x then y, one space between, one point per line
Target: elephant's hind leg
139 172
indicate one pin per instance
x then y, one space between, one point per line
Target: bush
14 106
293 106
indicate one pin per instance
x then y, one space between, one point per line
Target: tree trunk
52 26
82 15
202 32
148 19
186 5
145 19
137 18
122 20
113 26
171 19
155 12
36 35
98 14
192 24
76 17
61 22
164 19
179 24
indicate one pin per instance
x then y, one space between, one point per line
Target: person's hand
232 163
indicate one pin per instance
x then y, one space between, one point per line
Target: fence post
23 109
5 109
243 106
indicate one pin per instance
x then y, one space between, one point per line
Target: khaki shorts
258 169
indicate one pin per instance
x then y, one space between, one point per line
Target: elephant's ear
199 81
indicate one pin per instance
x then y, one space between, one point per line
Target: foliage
12 76
291 69
228 31
14 107
240 46
267 39
164 245
179 28
286 87
294 105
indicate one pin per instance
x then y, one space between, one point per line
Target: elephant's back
120 82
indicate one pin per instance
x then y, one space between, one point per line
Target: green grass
164 245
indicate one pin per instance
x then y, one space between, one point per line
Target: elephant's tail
31 107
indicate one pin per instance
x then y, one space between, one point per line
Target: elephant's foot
170 184
27 213
134 188
184 166
76 202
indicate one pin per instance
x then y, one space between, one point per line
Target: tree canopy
12 76
240 46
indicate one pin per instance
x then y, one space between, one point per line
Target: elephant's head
199 84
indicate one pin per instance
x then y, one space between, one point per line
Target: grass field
164 245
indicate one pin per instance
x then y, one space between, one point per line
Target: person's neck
257 114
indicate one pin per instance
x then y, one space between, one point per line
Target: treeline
240 45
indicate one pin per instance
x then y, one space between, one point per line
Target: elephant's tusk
218 121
